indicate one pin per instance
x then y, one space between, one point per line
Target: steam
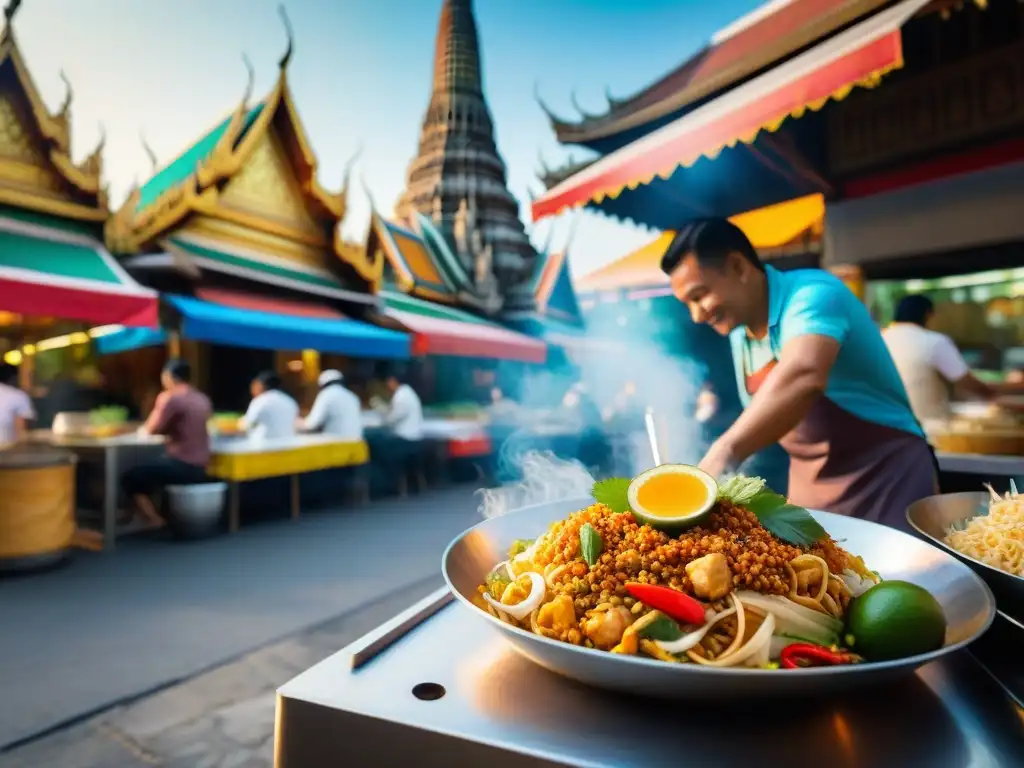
546 478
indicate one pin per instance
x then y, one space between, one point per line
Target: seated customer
336 410
180 415
272 413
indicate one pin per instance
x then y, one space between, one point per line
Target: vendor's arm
813 327
399 410
252 415
950 363
23 414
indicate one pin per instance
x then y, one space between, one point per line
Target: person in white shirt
272 413
405 414
929 362
15 406
336 410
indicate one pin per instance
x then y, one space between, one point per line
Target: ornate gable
36 169
255 171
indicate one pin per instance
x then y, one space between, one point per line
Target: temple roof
35 138
197 179
553 289
775 31
786 229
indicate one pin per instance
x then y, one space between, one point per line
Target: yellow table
242 460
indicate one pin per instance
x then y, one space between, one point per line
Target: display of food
995 538
108 421
225 424
674 567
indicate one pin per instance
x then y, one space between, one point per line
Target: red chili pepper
671 602
792 655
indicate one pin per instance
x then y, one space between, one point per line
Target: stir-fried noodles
996 538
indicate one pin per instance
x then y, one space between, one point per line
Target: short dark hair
710 241
914 309
269 380
8 374
179 370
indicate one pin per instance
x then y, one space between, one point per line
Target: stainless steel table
980 464
436 687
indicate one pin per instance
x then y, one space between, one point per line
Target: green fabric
185 164
59 259
403 303
93 229
229 259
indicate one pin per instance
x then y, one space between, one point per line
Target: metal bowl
931 518
966 600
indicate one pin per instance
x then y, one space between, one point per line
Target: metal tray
435 688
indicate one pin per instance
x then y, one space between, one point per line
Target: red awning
859 56
242 300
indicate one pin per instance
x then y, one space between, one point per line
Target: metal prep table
437 687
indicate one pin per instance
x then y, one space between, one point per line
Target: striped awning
860 56
51 271
441 330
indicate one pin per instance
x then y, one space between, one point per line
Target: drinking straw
652 435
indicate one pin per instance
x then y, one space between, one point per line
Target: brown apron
843 464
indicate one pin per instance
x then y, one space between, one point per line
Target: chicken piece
559 615
710 576
605 629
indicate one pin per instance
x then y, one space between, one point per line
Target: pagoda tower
457 177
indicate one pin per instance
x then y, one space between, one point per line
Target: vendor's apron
843 464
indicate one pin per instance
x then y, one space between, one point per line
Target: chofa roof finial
291 37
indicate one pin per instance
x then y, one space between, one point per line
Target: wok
966 600
931 518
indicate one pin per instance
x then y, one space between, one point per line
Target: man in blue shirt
813 374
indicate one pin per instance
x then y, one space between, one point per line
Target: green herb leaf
613 493
662 628
590 543
519 546
789 522
496 582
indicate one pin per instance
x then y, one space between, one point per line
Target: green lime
896 619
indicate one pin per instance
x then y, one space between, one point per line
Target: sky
361 76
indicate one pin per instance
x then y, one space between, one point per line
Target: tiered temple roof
245 200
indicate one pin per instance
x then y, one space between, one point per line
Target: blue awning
218 324
129 338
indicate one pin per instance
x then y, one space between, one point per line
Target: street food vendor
180 414
15 406
929 362
272 413
336 410
813 374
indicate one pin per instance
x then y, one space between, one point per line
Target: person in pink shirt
180 415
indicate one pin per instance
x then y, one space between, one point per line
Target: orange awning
767 228
859 56
243 300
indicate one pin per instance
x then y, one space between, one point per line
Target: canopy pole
174 345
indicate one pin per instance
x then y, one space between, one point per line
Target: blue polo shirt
864 380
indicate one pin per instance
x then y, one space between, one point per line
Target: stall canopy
861 55
772 230
219 323
54 272
441 330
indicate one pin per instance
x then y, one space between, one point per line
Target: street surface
110 629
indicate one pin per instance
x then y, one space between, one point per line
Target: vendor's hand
718 460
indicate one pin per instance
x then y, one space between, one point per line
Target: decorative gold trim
216 209
368 266
61 208
431 295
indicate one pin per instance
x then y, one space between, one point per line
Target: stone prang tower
458 179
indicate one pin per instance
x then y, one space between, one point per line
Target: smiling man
813 373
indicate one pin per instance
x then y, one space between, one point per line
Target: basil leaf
662 628
788 522
740 490
613 493
590 543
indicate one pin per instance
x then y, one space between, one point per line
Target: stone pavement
221 719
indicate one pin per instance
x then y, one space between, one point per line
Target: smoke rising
545 478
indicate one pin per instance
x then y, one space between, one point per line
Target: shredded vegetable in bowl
752 581
996 538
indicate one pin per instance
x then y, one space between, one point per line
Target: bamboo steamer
37 507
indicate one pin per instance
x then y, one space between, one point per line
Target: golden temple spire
68 95
9 10
154 163
347 175
283 63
